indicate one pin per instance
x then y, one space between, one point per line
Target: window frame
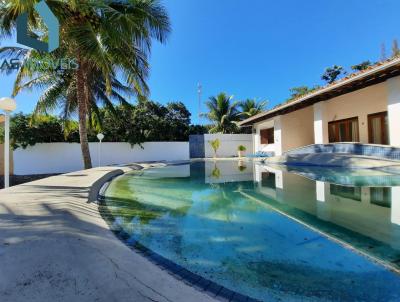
384 132
347 122
266 140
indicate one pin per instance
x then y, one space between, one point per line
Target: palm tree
223 113
60 91
107 38
251 107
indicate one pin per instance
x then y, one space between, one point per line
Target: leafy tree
24 131
105 37
223 113
147 121
251 107
178 119
395 48
198 129
362 66
331 74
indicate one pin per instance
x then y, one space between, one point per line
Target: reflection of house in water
373 212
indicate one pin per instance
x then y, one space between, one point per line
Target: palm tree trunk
82 112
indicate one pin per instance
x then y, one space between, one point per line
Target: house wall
310 125
359 103
291 131
297 129
66 157
393 103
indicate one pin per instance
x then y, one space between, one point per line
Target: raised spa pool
268 233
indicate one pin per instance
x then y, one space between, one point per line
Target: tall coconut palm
223 113
107 38
251 107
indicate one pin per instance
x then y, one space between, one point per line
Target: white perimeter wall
229 144
67 157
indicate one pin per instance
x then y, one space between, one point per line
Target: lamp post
7 105
100 137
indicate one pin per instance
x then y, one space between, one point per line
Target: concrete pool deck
55 246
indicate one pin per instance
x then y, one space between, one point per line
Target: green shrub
242 148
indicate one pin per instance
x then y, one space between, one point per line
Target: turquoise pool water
273 235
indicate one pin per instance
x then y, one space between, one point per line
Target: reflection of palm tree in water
216 172
222 200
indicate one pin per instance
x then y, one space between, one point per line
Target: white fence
229 144
67 157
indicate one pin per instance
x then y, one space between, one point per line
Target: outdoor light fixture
100 137
7 105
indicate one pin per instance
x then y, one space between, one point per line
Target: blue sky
258 48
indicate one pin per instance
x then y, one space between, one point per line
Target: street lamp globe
8 104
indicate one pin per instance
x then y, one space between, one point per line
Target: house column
321 190
393 89
278 135
395 208
320 124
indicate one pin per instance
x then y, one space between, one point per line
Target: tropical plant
107 38
241 148
251 107
215 144
362 66
223 113
331 74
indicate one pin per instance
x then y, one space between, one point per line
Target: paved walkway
54 246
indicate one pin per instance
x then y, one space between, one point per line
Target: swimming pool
269 233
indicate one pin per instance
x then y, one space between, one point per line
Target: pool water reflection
260 230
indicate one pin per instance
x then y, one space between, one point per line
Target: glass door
378 128
344 130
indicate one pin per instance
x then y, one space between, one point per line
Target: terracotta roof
374 74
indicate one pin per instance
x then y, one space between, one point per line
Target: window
344 130
268 180
378 128
353 193
381 196
267 136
